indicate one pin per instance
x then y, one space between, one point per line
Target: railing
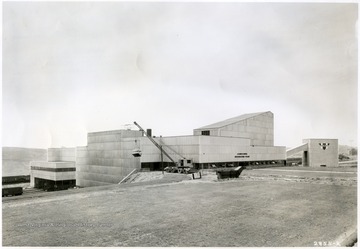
126 177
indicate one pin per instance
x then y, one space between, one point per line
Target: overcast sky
73 68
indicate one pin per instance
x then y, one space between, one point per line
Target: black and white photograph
179 124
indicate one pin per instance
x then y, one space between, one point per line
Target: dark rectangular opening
155 166
305 159
49 185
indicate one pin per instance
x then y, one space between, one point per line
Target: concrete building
246 140
61 155
317 152
258 127
107 158
58 173
243 140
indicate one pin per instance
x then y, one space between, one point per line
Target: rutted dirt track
242 212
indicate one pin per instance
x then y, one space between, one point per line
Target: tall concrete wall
16 161
107 158
231 149
176 147
258 128
222 149
61 154
267 153
209 149
323 152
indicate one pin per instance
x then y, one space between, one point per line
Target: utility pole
162 161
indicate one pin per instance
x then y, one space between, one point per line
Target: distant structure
353 152
317 152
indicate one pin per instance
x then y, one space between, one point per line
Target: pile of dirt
146 176
156 176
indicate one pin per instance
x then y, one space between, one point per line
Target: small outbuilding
317 152
58 173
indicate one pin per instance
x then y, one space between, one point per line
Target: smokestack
149 132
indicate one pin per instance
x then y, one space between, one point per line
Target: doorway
305 160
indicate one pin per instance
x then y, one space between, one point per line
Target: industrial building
244 140
107 158
57 173
316 152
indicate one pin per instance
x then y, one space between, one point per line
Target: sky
69 68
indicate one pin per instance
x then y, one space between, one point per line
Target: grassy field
188 213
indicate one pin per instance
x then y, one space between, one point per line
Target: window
205 133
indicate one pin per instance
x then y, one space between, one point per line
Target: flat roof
180 136
111 132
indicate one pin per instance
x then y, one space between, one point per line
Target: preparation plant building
244 140
110 156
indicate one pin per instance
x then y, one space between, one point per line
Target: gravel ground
240 212
152 176
318 177
328 169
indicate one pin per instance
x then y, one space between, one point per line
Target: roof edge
255 114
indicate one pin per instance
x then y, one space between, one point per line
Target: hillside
16 161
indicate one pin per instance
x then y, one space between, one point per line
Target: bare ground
254 210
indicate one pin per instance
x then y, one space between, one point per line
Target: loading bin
226 173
